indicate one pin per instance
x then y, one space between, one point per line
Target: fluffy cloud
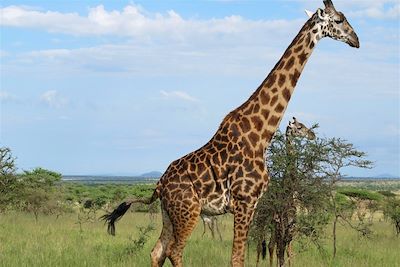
53 99
131 21
179 95
6 96
377 10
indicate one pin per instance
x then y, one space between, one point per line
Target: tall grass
59 242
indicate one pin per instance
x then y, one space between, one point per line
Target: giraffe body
228 173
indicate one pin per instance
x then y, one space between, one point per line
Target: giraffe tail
112 217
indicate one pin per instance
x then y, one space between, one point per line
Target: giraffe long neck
265 108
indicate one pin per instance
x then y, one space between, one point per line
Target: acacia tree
39 193
391 211
8 180
294 204
341 154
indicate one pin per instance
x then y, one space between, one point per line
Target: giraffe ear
309 13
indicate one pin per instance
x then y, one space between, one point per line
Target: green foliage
8 180
112 194
387 193
296 200
303 196
40 178
7 162
39 193
136 245
360 194
373 185
311 227
391 211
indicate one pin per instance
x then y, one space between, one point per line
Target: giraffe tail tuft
114 216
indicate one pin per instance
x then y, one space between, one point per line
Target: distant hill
385 175
152 174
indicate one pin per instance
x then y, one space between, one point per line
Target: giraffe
293 130
282 236
228 174
212 223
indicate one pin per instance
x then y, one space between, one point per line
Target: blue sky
125 87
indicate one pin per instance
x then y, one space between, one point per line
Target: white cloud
178 95
53 99
131 21
376 9
6 96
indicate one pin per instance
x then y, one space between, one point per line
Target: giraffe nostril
353 40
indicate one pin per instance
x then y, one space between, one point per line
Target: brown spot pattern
281 64
266 135
245 125
289 64
258 123
273 100
273 120
308 38
264 97
300 40
287 54
282 79
286 94
303 57
265 113
254 138
235 151
294 77
270 80
279 108
298 49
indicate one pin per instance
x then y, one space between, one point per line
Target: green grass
59 242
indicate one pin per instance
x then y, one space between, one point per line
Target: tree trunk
334 236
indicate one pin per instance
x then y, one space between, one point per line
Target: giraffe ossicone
228 173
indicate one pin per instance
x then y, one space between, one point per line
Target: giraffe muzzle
353 40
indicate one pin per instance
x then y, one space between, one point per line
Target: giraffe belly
216 206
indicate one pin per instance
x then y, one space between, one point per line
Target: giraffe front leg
243 215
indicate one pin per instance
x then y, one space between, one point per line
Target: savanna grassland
59 241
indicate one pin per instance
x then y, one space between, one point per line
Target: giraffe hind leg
204 228
184 212
211 227
216 227
164 243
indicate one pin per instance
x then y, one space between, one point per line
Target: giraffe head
298 129
334 24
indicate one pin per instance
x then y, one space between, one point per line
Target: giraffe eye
339 21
